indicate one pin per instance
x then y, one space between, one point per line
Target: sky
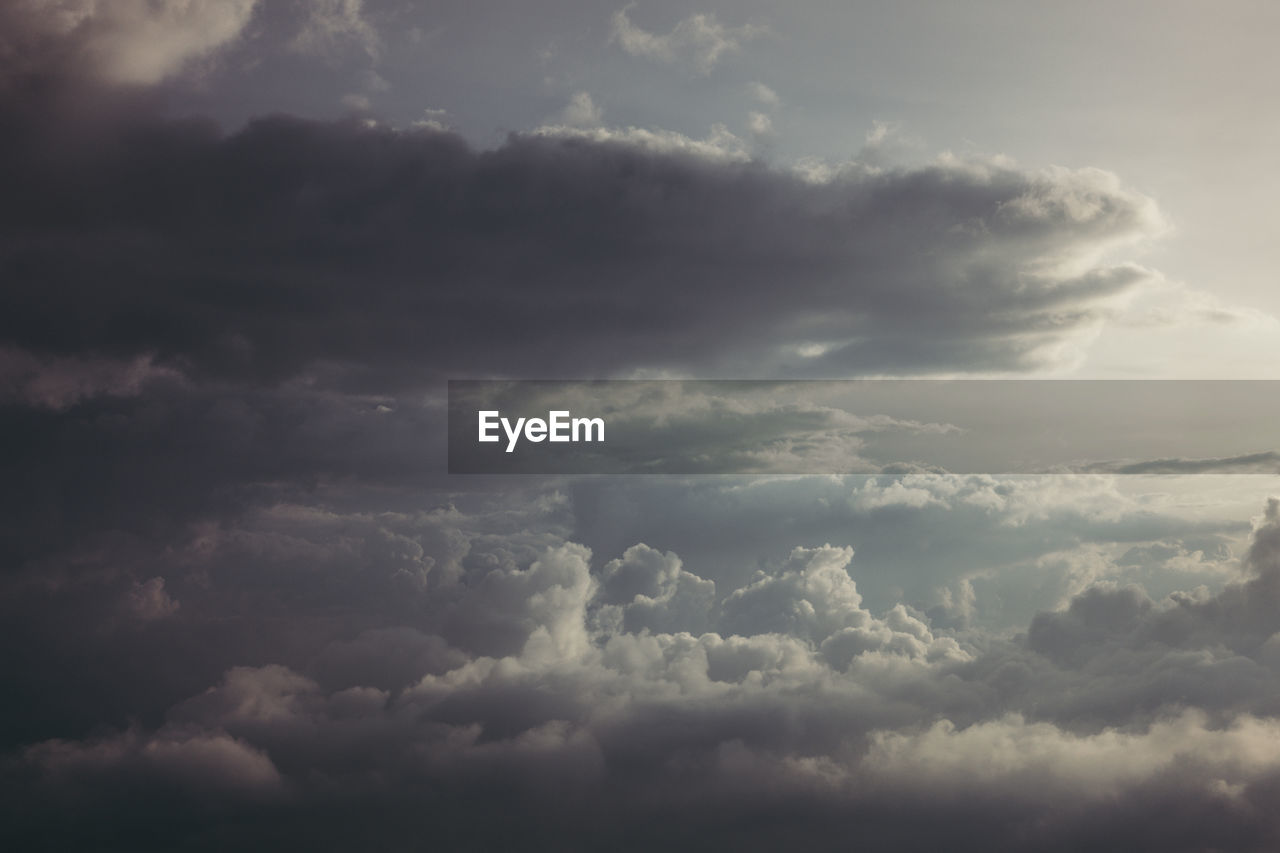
1170 97
244 245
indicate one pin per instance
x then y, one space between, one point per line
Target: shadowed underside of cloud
384 257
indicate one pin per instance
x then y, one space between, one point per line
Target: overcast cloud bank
242 606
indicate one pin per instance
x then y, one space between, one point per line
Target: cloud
764 94
1041 761
357 103
137 42
1240 618
581 111
202 763
246 608
760 124
699 39
647 590
332 24
149 600
804 707
812 597
1172 304
59 383
958 266
538 610
720 146
1265 462
933 541
433 119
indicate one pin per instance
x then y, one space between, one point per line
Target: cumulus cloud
812 597
801 695
967 549
700 40
1241 618
538 610
646 590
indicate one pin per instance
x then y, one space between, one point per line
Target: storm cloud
366 256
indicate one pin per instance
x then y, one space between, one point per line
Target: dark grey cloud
173 453
378 257
279 588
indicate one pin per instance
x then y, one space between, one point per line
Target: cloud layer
415 255
540 680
